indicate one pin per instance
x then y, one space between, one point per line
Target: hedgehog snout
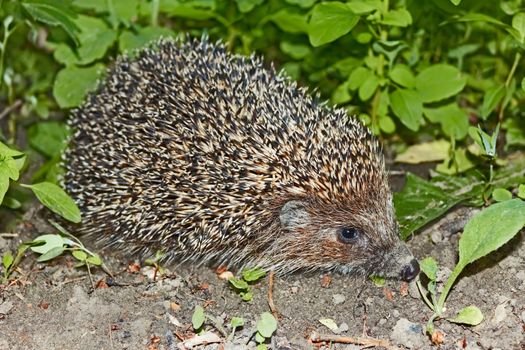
401 263
410 271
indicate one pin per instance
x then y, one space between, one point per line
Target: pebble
500 314
6 307
343 327
338 299
408 334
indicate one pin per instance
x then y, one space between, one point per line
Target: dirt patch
52 307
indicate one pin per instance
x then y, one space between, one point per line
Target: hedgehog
210 156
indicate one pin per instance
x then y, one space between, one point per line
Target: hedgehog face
352 238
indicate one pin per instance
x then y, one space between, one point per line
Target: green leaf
95 40
523 84
403 76
399 18
429 267
197 320
51 254
454 120
94 260
490 229
4 185
361 7
129 41
521 191
238 283
266 325
10 202
188 9
54 13
469 315
518 23
9 168
7 260
358 77
431 151
247 5
302 3
491 100
296 51
237 322
378 281
72 84
51 241
54 198
126 10
49 138
386 124
246 296
458 162
341 95
422 201
438 82
290 22
472 16
330 21
501 194
407 106
79 255
368 88
254 274
5 151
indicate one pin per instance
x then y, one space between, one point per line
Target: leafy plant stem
446 289
155 12
422 292
517 58
3 49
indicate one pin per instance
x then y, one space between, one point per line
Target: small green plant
485 232
50 246
155 262
199 318
235 323
242 285
266 326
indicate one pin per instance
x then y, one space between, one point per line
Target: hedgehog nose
410 271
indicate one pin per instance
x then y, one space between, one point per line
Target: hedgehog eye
348 234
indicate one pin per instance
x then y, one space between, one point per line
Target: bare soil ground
52 305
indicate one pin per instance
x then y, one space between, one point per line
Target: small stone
6 307
436 236
408 334
395 313
500 314
343 327
338 299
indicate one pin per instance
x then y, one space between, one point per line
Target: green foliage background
413 71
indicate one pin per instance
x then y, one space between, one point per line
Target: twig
11 108
316 338
9 235
271 304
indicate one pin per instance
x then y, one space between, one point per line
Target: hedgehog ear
294 215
